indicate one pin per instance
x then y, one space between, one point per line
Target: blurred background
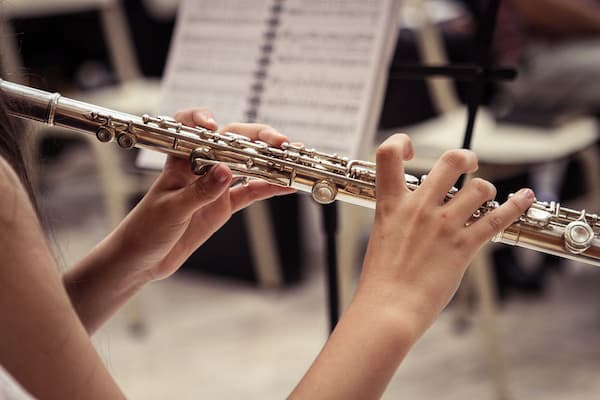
217 329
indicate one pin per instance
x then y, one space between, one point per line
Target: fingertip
524 198
409 151
225 129
220 174
185 117
473 161
396 146
178 116
460 160
271 136
205 119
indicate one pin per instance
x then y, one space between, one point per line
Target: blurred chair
133 94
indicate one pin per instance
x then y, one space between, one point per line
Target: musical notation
310 68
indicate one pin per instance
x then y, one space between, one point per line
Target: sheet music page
313 69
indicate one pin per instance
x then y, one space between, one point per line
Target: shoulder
10 184
14 199
7 173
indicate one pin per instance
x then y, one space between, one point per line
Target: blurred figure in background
556 46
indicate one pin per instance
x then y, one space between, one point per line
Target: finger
445 172
390 180
178 163
176 173
204 190
243 196
261 132
471 197
502 217
197 117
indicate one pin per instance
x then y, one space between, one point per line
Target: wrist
120 258
108 263
400 307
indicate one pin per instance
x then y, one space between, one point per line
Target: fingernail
206 116
219 174
524 197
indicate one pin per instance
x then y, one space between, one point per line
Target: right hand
181 210
420 246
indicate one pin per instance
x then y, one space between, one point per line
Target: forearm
102 282
560 18
44 346
362 354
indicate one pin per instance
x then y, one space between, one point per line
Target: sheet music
313 69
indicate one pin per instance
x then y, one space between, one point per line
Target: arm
179 213
559 17
43 344
418 251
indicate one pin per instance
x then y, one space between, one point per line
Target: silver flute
545 227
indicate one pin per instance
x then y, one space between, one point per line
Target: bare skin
418 252
177 215
47 347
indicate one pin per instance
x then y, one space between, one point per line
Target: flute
546 227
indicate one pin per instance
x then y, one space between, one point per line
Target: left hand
181 210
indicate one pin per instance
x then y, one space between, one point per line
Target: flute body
545 227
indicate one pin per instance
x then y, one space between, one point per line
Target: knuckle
180 115
459 241
422 215
495 223
446 225
484 188
228 128
270 135
401 138
233 127
388 151
202 190
385 206
202 111
515 208
200 115
459 159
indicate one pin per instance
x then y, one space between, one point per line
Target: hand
420 245
419 249
181 210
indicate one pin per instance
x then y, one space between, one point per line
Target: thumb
205 189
